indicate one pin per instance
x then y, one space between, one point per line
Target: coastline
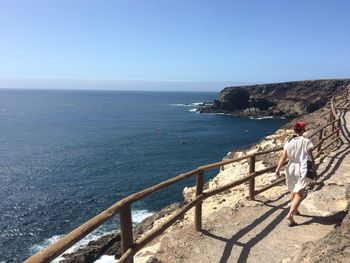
102 163
91 251
234 197
238 196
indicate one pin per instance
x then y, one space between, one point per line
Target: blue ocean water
67 155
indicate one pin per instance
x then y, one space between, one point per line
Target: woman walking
298 151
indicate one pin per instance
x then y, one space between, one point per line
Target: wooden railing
328 134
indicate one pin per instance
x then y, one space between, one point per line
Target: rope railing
129 247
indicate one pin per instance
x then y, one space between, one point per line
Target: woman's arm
281 161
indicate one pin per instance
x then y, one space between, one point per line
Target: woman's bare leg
295 202
292 196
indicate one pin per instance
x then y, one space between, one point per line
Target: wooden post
126 234
338 127
320 133
252 180
198 209
330 115
331 118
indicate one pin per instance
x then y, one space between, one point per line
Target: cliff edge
288 99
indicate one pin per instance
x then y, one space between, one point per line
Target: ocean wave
193 110
197 104
37 247
261 118
137 217
106 259
181 105
266 117
92 236
193 104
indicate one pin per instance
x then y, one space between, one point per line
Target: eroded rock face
147 223
237 99
288 99
328 201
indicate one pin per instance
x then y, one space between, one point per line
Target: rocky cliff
288 99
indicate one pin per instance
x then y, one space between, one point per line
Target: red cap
299 124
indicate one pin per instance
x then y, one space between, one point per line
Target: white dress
297 153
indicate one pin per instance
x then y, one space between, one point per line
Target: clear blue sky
239 41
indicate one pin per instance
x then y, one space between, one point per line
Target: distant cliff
288 99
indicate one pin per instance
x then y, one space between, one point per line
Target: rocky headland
287 99
179 241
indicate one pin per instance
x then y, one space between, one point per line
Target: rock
154 260
189 194
105 245
288 99
330 200
237 99
147 223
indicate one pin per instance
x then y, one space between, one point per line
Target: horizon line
110 80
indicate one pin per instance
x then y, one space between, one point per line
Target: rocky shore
270 99
110 244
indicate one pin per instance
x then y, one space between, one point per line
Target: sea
67 155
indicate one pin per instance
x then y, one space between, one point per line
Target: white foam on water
37 247
92 236
201 104
106 259
193 104
181 105
139 215
261 118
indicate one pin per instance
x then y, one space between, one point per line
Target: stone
148 222
189 193
331 199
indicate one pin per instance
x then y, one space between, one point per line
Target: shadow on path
337 159
336 219
234 240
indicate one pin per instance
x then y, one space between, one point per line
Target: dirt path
257 231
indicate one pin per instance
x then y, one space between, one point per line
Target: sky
169 43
